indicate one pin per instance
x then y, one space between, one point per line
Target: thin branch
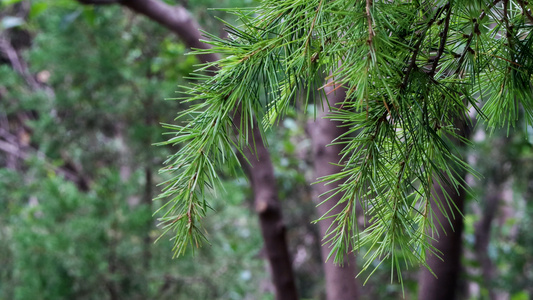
475 31
525 11
371 32
505 18
412 64
416 49
17 63
22 154
443 38
313 24
176 18
508 28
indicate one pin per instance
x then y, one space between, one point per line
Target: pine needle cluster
411 69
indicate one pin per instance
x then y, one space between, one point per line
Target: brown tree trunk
261 172
445 285
483 229
447 271
340 280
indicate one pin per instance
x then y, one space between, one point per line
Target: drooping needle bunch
412 70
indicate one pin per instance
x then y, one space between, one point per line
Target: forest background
82 92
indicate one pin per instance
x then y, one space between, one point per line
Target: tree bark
483 232
447 271
340 280
260 173
269 210
444 286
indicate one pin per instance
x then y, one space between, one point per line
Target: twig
476 30
23 154
371 32
525 11
313 24
417 46
444 36
508 28
18 64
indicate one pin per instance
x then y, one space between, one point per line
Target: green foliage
412 72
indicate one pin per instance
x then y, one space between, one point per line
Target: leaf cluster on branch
411 69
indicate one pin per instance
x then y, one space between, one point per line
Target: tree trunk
494 192
261 173
340 280
444 286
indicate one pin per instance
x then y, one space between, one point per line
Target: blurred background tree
81 98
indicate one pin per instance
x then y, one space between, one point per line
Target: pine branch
401 121
443 38
476 31
416 48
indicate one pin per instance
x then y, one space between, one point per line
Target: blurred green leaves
105 75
